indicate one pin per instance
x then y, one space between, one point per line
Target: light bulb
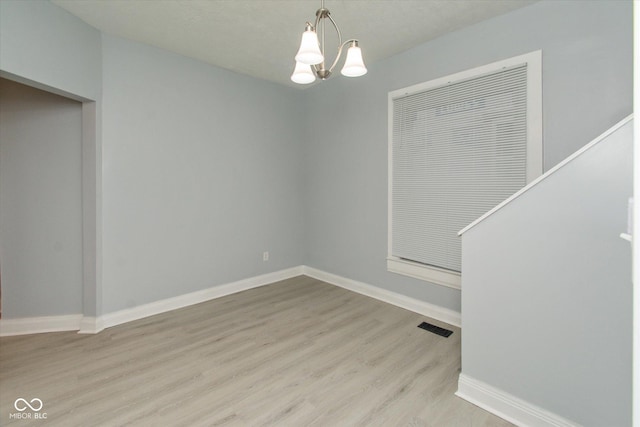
354 65
303 74
309 52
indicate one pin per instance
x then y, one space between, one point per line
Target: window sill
436 275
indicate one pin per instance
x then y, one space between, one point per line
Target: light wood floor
295 353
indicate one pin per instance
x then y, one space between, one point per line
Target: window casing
458 146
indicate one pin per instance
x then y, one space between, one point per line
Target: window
458 146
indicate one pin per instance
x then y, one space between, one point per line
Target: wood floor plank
295 353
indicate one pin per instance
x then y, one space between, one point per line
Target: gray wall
547 294
40 202
201 165
587 87
206 171
201 174
44 45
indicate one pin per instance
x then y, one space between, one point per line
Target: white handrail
548 173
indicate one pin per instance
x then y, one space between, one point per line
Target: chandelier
310 59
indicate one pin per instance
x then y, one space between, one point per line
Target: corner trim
91 325
507 406
417 306
38 325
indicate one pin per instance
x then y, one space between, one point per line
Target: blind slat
458 150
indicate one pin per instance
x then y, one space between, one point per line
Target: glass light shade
354 65
303 74
309 52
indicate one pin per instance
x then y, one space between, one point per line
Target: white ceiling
260 37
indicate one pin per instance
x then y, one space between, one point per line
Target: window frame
534 161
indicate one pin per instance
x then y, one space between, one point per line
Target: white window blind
457 151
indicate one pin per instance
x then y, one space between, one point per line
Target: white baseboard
93 325
37 325
507 406
157 307
426 309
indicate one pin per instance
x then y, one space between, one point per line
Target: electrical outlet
265 256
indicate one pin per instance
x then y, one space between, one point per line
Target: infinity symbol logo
22 402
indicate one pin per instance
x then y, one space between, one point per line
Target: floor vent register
435 329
